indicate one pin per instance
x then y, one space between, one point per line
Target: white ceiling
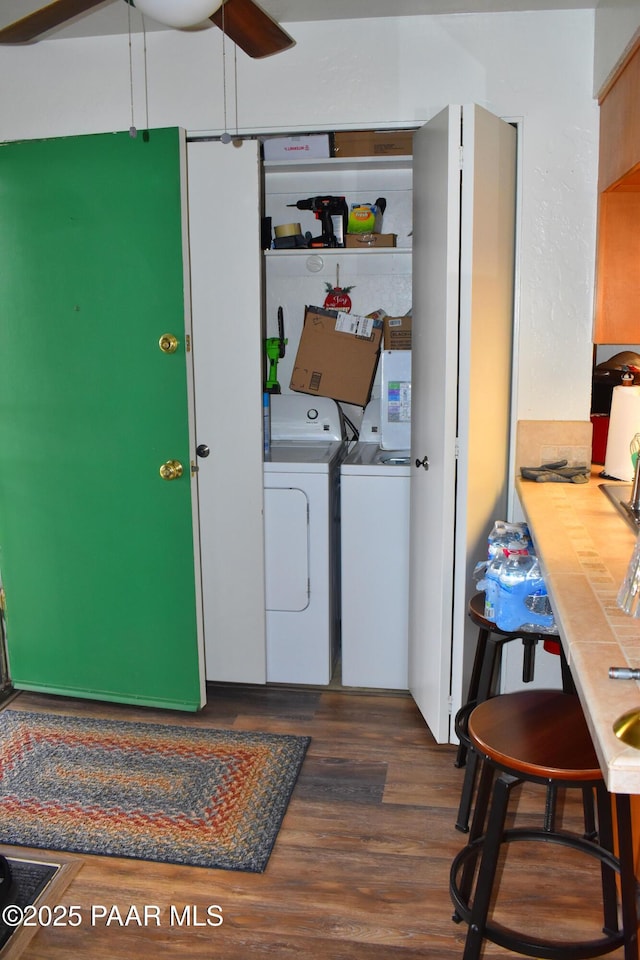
111 16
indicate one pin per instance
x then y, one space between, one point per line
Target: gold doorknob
171 470
168 343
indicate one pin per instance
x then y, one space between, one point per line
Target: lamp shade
178 13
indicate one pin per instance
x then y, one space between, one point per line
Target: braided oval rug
149 791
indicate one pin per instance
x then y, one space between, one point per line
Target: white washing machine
302 538
374 492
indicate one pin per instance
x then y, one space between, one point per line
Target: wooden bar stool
540 736
484 679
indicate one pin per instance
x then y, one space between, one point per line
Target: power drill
275 350
334 216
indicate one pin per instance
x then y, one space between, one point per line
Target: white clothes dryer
302 536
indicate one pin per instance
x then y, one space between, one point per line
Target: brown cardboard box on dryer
397 333
337 355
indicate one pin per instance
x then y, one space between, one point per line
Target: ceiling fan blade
254 31
46 18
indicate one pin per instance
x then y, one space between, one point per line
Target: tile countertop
584 547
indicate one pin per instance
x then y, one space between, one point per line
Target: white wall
617 27
536 67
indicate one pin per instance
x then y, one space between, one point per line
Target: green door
98 552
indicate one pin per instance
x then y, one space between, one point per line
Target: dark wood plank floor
360 868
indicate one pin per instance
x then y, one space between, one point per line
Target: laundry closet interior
320 571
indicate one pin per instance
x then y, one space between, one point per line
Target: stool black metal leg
490 667
590 829
466 796
605 839
490 664
551 802
528 657
628 885
568 686
474 684
488 866
478 660
487 776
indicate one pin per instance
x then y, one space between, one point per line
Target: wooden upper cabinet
617 313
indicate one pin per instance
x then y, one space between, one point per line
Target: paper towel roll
623 426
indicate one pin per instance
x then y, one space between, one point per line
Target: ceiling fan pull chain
235 82
226 137
132 129
146 77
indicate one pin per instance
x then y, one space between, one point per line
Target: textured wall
533 67
617 27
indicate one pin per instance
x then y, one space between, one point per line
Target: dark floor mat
28 880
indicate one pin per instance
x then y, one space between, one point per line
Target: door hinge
460 157
3 601
457 448
450 705
187 340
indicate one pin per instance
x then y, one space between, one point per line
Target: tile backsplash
544 441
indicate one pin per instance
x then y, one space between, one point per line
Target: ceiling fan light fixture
178 13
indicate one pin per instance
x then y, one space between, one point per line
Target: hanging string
132 129
133 132
146 76
235 82
226 137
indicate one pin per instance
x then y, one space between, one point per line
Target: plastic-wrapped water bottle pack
516 596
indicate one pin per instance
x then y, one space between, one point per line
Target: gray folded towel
557 472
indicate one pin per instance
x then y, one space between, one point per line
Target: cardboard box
397 333
315 146
337 355
373 143
363 241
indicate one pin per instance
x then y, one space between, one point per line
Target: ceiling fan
243 21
